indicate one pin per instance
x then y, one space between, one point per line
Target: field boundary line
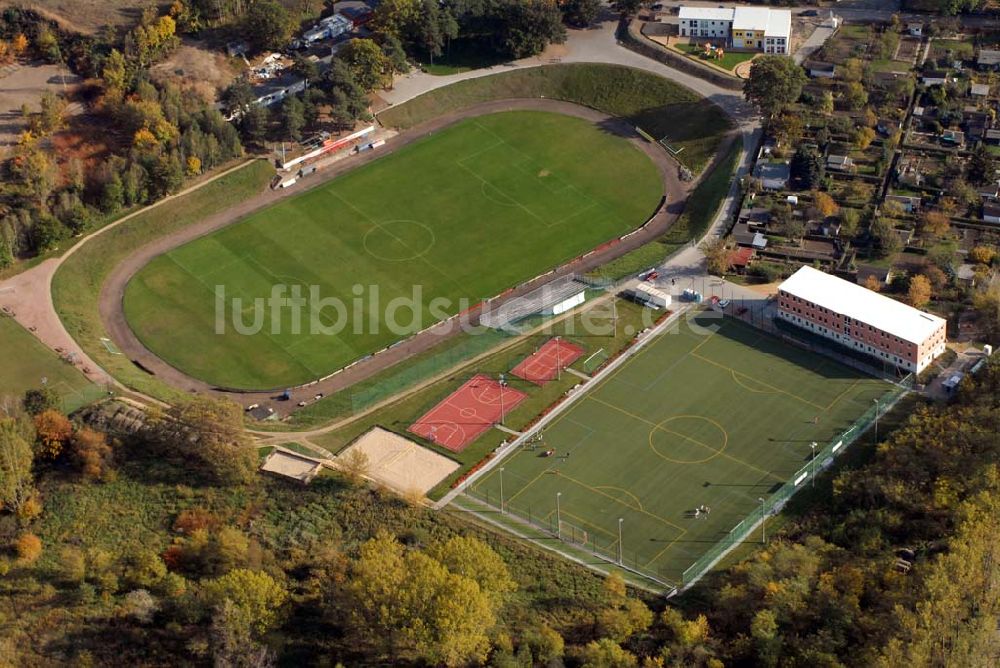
504 452
618 500
552 545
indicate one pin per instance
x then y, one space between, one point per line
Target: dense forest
148 539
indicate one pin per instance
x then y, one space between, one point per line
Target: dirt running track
113 316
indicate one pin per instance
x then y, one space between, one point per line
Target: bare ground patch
196 68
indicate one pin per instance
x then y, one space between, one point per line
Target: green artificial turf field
464 214
26 362
695 418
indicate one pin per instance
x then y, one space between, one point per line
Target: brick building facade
858 318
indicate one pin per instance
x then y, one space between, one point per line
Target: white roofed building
761 28
710 22
858 318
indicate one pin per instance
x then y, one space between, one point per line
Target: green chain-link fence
772 505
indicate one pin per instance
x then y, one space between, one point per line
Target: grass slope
662 107
461 215
26 362
77 285
696 418
699 212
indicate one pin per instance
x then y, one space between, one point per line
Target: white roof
751 18
859 303
709 13
779 23
772 22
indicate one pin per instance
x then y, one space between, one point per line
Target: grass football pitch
464 214
697 418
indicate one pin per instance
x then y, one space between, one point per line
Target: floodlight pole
558 517
558 361
763 521
501 398
876 419
500 470
621 546
813 461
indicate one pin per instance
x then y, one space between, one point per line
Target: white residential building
759 28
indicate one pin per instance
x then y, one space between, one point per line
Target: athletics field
463 214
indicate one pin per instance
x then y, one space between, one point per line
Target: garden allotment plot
464 213
694 419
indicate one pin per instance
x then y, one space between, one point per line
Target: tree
368 64
849 220
16 458
863 138
19 44
233 645
91 453
775 81
716 252
254 122
886 239
40 400
410 606
982 166
256 597
605 653
293 117
267 25
872 283
855 95
395 54
919 292
355 464
826 103
140 605
806 168
433 27
627 7
52 431
983 254
581 13
474 559
934 223
28 547
208 433
238 97
394 17
526 27
305 68
824 204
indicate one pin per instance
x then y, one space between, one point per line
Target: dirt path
28 297
111 295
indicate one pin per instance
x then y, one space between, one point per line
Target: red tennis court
544 364
467 412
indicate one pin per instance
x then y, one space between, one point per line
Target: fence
383 386
822 459
603 547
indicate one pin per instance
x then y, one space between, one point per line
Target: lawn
26 362
729 60
451 219
77 284
660 106
712 414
